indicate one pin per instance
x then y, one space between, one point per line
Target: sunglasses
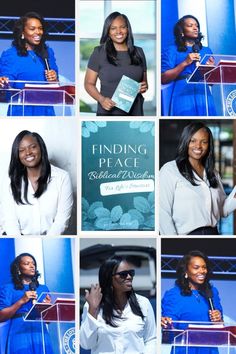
125 273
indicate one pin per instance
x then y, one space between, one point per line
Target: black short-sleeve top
110 76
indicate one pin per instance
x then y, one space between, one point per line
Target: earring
186 276
22 36
182 34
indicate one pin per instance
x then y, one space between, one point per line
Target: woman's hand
210 61
215 316
106 103
94 297
143 87
3 81
166 322
51 75
28 295
192 57
47 299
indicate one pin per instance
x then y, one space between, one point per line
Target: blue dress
189 308
187 99
23 337
26 68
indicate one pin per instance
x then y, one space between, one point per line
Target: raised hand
94 297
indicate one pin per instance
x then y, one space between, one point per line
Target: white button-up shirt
49 214
132 336
184 207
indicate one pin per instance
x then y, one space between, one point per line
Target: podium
186 337
22 96
221 79
57 320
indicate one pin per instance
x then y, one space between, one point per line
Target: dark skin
32 34
27 270
120 288
30 157
190 33
196 274
118 33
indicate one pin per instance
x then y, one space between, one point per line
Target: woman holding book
16 299
115 319
192 299
178 63
192 197
29 59
37 197
116 56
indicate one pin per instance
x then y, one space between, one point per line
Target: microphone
46 63
196 49
44 56
209 296
33 287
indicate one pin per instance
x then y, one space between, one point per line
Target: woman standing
116 56
192 198
188 300
38 198
15 302
116 319
29 59
178 63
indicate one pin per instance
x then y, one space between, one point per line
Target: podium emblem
231 103
69 341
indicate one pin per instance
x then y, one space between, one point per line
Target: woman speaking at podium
115 319
29 59
192 298
116 56
178 63
37 197
16 299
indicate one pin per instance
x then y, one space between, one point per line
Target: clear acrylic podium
183 337
221 79
59 315
60 96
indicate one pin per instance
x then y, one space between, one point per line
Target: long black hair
18 172
15 271
20 44
182 268
108 305
179 33
208 161
109 46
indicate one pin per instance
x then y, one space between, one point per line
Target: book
206 326
63 309
126 93
49 94
118 175
227 62
69 89
199 72
41 86
61 300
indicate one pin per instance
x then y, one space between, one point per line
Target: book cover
199 72
118 175
125 93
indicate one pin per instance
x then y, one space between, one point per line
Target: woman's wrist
101 99
93 311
